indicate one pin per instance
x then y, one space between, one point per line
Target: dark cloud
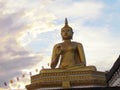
12 69
12 24
13 57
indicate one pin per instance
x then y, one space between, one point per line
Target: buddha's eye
63 30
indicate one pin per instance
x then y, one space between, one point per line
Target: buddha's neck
67 41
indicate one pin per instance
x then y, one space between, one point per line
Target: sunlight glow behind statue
68 52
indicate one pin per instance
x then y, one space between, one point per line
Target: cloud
14 57
15 21
94 12
45 21
82 9
99 46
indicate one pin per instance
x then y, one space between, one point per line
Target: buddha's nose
65 33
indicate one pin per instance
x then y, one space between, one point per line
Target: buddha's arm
81 53
55 56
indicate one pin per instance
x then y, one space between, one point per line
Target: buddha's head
66 31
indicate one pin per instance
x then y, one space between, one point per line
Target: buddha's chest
68 48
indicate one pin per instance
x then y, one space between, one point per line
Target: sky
30 28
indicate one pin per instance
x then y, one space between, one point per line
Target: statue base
67 78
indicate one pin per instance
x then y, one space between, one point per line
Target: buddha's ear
72 33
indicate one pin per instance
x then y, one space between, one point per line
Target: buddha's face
66 33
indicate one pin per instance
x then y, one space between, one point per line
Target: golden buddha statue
68 52
72 71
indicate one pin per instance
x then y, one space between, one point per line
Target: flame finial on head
66 22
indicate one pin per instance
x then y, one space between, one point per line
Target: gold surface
73 68
68 52
49 75
66 84
68 79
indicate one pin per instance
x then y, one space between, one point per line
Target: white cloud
100 46
14 58
43 20
84 9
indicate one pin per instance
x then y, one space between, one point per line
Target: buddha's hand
58 51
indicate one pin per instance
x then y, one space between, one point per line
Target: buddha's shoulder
77 43
58 44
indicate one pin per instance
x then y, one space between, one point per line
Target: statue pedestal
67 78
